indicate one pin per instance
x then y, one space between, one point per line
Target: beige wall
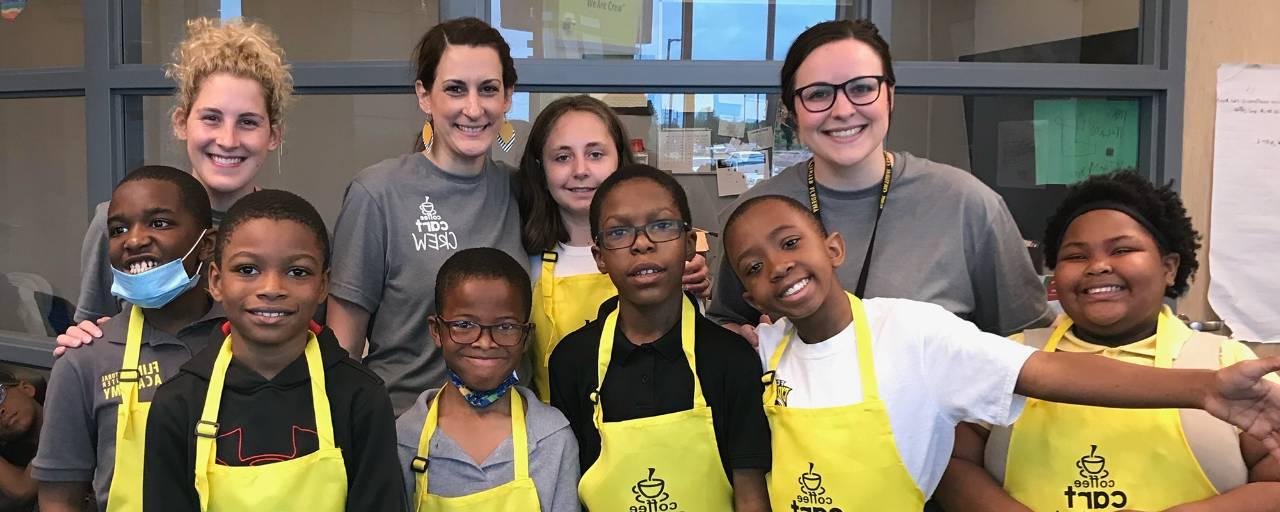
1218 32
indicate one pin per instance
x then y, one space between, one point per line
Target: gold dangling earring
427 135
506 135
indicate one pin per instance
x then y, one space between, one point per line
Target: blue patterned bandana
481 399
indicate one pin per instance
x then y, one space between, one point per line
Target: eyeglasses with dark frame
658 231
506 334
860 90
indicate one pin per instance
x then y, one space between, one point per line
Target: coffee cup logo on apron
811 497
652 496
1091 490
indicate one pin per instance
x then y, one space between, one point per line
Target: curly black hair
1160 205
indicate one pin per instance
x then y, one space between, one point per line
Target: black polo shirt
654 379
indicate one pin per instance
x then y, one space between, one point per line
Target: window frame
113 89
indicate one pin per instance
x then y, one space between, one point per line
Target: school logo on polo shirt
432 230
652 496
1094 490
148 376
812 496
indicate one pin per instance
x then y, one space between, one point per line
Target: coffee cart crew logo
432 230
812 494
1094 490
652 496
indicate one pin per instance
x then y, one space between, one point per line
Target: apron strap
128 375
519 442
206 432
688 316
546 286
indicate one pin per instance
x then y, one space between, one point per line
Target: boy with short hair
21 415
665 403
160 234
864 396
276 416
482 442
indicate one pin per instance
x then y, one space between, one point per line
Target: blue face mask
156 287
481 399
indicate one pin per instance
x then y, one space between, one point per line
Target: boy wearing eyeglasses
481 442
21 415
665 403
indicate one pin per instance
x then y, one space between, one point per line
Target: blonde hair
243 49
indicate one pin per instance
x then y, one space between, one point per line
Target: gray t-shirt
95 299
944 238
553 457
78 440
400 220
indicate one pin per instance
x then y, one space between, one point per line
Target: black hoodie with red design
265 421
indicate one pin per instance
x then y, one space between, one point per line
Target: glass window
43 212
660 29
328 139
308 30
1046 31
41 33
1027 148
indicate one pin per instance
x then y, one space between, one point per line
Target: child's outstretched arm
1236 394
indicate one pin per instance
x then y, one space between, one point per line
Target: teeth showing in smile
470 129
141 266
269 314
1102 289
795 288
848 132
648 271
582 189
226 160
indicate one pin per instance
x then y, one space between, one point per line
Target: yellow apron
518 495
837 457
131 426
316 482
1063 457
561 305
660 463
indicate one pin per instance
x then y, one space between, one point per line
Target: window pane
308 30
660 29
43 212
1027 148
1048 31
328 139
41 34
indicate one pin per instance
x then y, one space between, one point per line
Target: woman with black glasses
916 229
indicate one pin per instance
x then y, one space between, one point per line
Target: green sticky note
1078 138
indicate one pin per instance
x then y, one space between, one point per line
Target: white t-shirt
570 261
933 370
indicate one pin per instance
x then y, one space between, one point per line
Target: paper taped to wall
1245 223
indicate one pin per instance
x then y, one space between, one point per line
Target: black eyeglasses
821 96
623 237
466 332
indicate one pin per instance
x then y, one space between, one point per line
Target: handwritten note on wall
1244 252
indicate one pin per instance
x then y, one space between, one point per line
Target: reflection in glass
1045 31
43 215
44 33
308 30
660 29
